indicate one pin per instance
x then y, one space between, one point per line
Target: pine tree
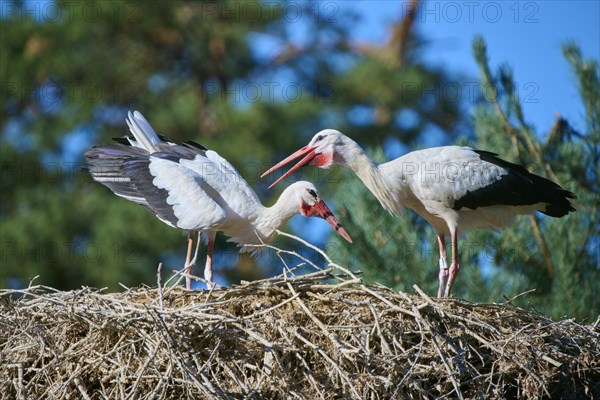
71 71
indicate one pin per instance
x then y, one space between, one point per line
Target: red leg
443 275
454 267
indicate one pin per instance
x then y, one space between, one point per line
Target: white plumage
453 188
192 188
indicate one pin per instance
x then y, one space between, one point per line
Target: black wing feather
125 171
518 187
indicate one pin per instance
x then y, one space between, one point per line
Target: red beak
306 150
324 212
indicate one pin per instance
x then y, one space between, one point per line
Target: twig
386 301
428 300
342 346
542 242
160 289
552 361
335 365
19 384
81 388
508 301
321 252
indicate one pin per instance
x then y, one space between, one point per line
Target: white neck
272 218
370 173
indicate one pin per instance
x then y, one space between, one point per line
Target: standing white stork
453 188
192 188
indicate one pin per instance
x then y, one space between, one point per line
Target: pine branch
480 52
542 242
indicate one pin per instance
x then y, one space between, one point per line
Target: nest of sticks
320 335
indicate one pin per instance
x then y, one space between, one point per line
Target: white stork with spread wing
192 188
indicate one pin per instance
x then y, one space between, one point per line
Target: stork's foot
443 276
452 273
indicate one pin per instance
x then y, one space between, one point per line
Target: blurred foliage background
228 75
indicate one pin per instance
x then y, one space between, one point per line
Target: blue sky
527 35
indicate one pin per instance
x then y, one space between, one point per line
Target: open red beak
324 212
307 151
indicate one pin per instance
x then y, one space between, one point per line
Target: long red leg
443 275
454 267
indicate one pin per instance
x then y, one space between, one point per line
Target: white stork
192 188
453 188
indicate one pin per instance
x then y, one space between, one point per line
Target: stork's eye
312 193
319 138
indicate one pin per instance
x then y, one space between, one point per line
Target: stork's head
326 148
310 204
